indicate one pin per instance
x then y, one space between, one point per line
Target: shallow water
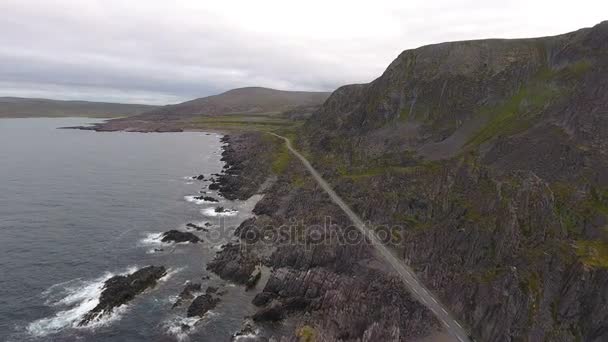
77 207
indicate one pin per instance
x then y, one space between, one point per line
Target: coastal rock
224 210
199 177
279 309
233 264
237 154
262 298
177 237
197 227
211 290
248 333
119 290
254 278
201 305
187 293
206 198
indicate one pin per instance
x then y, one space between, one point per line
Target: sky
168 51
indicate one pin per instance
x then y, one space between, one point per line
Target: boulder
197 227
177 236
121 289
201 305
187 293
206 198
253 279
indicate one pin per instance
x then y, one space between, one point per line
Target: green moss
592 253
306 334
404 114
281 159
579 68
531 285
489 275
298 181
599 200
519 111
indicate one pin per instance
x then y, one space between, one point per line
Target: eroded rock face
487 161
197 227
233 264
206 199
119 290
177 237
187 293
202 304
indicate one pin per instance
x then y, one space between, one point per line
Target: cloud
160 51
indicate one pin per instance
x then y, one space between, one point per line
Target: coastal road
417 289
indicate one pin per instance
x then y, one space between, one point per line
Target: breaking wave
212 213
74 299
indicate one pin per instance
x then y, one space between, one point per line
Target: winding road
417 289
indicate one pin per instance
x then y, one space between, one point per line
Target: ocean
77 207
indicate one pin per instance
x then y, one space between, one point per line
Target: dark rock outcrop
253 279
197 227
206 198
187 293
201 305
233 264
119 290
178 236
248 333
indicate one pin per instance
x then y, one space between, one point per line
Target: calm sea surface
77 207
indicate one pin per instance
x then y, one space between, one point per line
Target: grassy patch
593 253
258 122
281 159
306 334
490 275
519 111
404 114
579 68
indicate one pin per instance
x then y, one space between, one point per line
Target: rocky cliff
490 160
484 165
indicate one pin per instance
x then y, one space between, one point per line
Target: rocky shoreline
328 289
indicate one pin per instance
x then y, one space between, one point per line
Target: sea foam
212 213
75 299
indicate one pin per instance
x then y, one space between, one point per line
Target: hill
253 104
15 107
490 159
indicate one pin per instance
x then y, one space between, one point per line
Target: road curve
417 289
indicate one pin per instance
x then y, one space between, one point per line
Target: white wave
153 239
170 273
212 213
246 337
77 298
181 327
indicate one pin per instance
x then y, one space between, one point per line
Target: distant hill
250 102
15 107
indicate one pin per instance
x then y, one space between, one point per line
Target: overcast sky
166 51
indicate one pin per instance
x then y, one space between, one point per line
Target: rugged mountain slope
489 161
13 107
252 100
248 102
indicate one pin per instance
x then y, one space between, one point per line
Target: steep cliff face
484 164
440 99
489 159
